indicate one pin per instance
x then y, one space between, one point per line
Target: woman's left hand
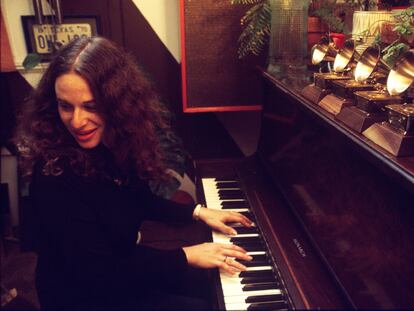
217 220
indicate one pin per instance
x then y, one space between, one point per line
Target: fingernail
233 232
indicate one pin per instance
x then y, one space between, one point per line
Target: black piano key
224 185
255 280
256 273
260 286
265 298
234 204
230 196
255 263
268 306
246 240
231 191
260 257
248 215
226 179
246 230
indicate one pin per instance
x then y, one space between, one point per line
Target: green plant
404 27
326 12
405 22
31 60
392 52
256 24
175 157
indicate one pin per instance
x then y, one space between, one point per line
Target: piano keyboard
259 287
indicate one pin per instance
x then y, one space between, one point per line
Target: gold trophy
396 134
363 106
324 51
343 87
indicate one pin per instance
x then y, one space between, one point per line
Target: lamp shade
366 25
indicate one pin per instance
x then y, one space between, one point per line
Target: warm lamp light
401 75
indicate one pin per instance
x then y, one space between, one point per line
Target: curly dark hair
125 99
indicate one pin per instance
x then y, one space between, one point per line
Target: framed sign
40 38
213 76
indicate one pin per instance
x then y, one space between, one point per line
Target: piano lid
360 221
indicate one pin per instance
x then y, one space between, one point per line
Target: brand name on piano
299 247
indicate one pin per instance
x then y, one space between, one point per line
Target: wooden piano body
336 211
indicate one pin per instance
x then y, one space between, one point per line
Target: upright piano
333 213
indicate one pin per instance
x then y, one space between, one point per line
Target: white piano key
236 288
224 275
256 253
237 306
234 296
231 294
224 237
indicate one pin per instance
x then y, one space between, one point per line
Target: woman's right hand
216 255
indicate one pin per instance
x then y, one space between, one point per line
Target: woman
88 141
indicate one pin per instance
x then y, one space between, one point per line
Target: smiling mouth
85 135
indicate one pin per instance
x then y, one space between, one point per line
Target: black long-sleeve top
87 231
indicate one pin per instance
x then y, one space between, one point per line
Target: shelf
399 168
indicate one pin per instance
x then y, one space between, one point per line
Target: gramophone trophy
369 103
396 134
324 52
343 90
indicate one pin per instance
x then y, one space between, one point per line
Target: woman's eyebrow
91 101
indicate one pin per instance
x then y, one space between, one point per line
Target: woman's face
77 110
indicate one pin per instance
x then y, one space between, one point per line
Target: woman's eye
64 106
91 108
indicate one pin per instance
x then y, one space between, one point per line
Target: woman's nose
79 119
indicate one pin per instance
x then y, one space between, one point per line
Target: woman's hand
215 255
217 220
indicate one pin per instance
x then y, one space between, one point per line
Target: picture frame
39 38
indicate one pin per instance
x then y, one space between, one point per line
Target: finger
223 228
232 247
235 264
227 268
238 255
237 217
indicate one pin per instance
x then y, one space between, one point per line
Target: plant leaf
31 60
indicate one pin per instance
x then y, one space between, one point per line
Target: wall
163 16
